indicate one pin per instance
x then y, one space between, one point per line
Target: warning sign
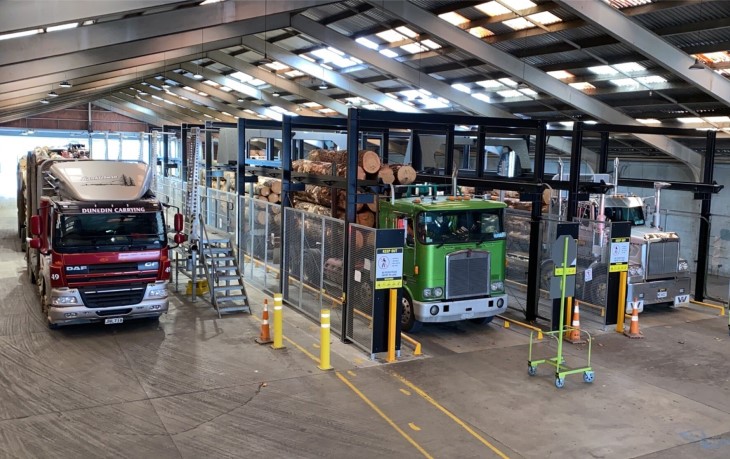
619 254
389 268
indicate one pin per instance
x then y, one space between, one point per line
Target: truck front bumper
80 313
450 311
660 291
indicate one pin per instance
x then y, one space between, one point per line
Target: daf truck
97 246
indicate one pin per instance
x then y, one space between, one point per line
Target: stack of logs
318 199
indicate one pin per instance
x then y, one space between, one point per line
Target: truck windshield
112 231
635 215
450 227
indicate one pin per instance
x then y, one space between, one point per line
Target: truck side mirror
178 223
35 225
179 238
35 243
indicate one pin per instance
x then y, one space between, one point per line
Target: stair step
222 269
227 288
231 298
227 278
214 250
235 309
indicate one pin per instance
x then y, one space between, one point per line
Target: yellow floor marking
315 345
383 415
451 415
306 352
414 427
351 373
405 391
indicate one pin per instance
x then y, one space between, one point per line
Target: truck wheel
408 322
482 320
23 243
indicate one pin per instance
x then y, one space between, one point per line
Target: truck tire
44 306
408 322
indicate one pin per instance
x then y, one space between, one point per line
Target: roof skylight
492 9
507 93
276 66
489 84
582 86
518 23
453 18
603 70
367 43
431 44
414 48
391 36
651 79
628 67
625 82
480 32
690 120
388 53
508 82
544 18
560 74
407 32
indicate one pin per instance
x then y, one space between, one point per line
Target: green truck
454 256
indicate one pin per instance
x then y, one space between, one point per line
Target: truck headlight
683 265
63 301
438 291
497 286
427 293
158 293
636 270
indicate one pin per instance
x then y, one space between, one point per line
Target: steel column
575 158
286 161
533 265
705 214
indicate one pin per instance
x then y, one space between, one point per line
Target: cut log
261 217
313 167
273 197
274 184
405 174
373 206
312 208
386 174
366 218
261 190
368 160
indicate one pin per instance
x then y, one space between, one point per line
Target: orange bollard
265 337
574 334
634 331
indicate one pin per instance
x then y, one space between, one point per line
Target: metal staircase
210 249
225 281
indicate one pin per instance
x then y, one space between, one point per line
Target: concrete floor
198 386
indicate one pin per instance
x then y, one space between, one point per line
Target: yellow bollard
392 318
324 340
278 322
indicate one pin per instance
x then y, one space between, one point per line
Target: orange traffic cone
634 331
574 334
265 337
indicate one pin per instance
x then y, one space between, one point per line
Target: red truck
97 246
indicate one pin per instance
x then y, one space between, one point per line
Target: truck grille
467 274
107 297
662 258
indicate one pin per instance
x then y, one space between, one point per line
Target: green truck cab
453 257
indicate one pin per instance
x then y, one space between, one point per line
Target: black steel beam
695 187
533 265
575 159
703 243
241 172
286 135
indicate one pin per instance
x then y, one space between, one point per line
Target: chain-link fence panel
591 278
517 226
718 263
361 276
259 246
314 253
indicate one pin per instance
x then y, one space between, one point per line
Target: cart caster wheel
588 376
532 371
559 382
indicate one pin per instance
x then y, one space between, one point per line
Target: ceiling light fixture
323 85
697 65
45 101
65 84
275 94
53 94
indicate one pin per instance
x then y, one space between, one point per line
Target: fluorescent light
70 25
197 76
24 33
648 120
208 2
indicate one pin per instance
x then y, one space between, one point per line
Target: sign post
388 282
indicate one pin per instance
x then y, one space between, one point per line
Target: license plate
661 294
114 320
681 299
467 315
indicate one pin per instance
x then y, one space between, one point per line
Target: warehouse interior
635 91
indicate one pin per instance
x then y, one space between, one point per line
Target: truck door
409 244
